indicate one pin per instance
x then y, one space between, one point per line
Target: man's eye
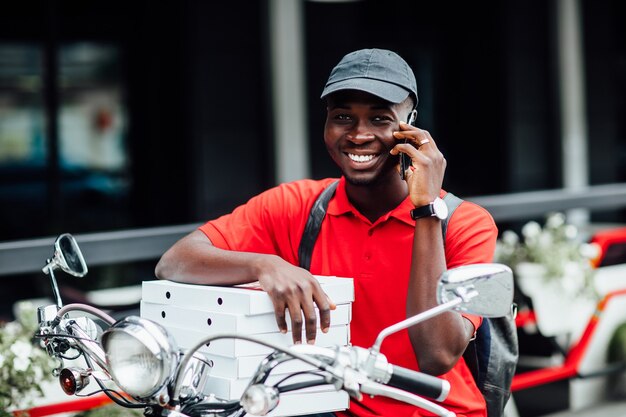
381 119
343 117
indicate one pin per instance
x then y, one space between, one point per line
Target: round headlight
140 355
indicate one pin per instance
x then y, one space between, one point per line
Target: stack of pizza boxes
190 313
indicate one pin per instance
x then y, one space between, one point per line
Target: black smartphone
405 160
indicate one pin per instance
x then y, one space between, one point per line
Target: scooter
586 357
138 365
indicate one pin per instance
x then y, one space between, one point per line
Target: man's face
359 135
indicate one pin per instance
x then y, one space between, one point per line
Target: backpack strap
314 224
453 202
318 212
471 357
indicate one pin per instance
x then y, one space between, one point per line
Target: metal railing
105 248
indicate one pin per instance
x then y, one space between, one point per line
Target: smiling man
380 229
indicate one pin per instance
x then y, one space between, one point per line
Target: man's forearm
195 260
439 341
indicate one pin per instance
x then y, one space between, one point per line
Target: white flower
545 240
23 367
510 238
571 231
531 230
554 247
504 250
590 250
21 349
556 220
12 329
21 364
38 372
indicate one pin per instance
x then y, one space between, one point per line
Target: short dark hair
409 104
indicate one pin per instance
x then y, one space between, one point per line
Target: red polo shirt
377 255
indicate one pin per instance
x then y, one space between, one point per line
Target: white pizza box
195 319
233 348
295 404
233 389
247 299
246 366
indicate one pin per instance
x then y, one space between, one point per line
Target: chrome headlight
141 356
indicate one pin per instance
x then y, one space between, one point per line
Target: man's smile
361 158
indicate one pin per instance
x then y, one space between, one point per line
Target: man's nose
361 133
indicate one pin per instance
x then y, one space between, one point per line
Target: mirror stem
418 318
370 364
55 288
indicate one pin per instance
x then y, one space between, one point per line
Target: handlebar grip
419 383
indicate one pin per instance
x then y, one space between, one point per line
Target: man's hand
295 290
426 161
194 259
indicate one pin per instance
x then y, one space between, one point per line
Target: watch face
440 208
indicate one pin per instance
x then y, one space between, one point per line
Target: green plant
557 247
616 355
23 364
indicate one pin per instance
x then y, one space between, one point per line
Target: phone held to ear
405 160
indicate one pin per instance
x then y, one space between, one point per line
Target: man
369 234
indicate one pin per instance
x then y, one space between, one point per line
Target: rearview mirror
67 256
492 282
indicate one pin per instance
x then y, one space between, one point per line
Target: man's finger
310 322
279 312
415 135
324 305
295 312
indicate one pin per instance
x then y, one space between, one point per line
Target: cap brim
387 91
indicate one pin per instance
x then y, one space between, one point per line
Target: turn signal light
73 380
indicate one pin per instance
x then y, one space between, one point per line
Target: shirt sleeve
269 223
471 236
475 320
470 239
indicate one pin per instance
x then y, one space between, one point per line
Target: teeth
360 158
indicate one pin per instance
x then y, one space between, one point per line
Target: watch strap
423 211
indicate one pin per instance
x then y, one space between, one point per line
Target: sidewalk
613 409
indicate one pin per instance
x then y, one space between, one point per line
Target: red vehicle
586 363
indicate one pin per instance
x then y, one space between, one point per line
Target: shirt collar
340 204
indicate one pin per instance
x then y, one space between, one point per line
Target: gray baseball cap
379 72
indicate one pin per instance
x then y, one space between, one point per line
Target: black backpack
491 356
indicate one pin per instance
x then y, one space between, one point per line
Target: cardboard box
233 348
246 299
232 389
245 366
295 404
169 315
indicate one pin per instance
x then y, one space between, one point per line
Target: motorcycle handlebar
419 383
374 388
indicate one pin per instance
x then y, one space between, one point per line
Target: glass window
23 149
93 159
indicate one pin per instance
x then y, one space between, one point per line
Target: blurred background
128 123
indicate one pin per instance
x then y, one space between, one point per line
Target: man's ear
412 117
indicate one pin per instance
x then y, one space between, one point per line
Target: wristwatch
437 208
